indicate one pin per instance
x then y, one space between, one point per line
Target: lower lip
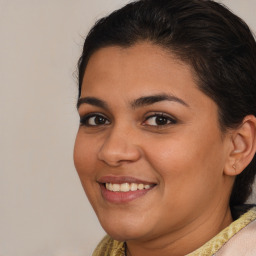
122 197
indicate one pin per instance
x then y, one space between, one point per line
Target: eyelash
166 118
85 120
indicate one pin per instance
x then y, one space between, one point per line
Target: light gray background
44 211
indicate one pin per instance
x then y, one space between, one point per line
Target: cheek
84 157
188 163
85 160
188 177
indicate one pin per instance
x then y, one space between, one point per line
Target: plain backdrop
43 209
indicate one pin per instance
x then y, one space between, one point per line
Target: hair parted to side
217 44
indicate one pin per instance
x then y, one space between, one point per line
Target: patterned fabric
220 245
212 246
109 247
243 243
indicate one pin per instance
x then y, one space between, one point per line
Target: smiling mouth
124 192
127 187
123 189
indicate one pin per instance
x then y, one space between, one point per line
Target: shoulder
239 238
243 242
109 247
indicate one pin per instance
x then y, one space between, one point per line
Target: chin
124 230
123 235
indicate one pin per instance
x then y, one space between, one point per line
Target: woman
166 146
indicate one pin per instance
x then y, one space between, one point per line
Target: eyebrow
151 99
140 102
92 101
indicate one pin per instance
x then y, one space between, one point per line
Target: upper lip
122 179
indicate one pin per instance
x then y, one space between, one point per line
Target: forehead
143 65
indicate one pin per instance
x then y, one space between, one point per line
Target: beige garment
241 244
109 247
238 239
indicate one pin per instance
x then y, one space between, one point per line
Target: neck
183 241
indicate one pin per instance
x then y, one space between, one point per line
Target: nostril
115 153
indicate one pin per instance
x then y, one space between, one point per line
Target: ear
243 146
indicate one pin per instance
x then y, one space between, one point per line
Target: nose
119 147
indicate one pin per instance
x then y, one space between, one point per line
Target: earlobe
243 147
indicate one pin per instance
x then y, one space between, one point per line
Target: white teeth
125 187
116 187
133 187
147 186
141 186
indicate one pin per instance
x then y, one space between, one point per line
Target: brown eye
94 120
159 120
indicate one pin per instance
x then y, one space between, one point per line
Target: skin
185 158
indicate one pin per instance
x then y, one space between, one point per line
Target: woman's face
149 151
